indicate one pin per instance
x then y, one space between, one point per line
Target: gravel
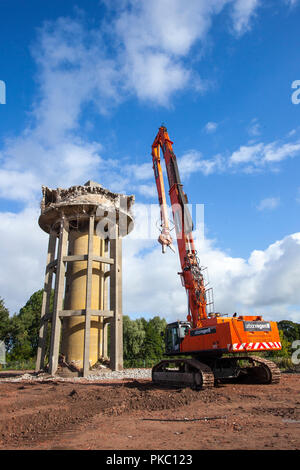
124 374
99 375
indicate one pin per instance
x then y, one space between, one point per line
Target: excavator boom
191 273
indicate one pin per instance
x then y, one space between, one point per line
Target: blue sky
87 86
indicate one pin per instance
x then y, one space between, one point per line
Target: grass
19 365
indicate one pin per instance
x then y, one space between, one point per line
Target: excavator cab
175 332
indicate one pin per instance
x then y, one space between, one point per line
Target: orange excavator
208 347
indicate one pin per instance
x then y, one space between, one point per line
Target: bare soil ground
131 414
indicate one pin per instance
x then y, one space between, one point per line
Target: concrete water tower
85 225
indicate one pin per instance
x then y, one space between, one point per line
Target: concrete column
106 275
116 330
58 296
46 303
101 298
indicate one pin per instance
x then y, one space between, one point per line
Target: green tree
154 342
144 323
290 329
4 323
159 324
133 337
24 329
285 350
142 340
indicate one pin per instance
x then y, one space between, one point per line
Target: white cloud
30 161
259 155
192 162
23 252
275 152
247 158
149 56
265 283
152 44
269 203
155 46
75 69
156 77
17 185
147 190
210 127
291 3
254 128
247 154
189 163
276 281
143 171
166 25
242 13
48 151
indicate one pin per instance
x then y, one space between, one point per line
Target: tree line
143 342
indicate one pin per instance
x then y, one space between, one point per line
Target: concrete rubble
104 374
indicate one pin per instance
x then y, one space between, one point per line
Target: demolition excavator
207 347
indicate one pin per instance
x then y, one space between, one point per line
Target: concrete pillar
106 275
116 330
46 302
58 295
101 297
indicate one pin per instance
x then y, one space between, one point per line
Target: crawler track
258 371
183 372
196 374
271 371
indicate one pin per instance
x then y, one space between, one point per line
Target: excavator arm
164 238
191 275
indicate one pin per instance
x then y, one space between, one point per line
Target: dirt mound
136 414
66 406
286 412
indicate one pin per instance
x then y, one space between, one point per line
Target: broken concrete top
80 202
93 184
